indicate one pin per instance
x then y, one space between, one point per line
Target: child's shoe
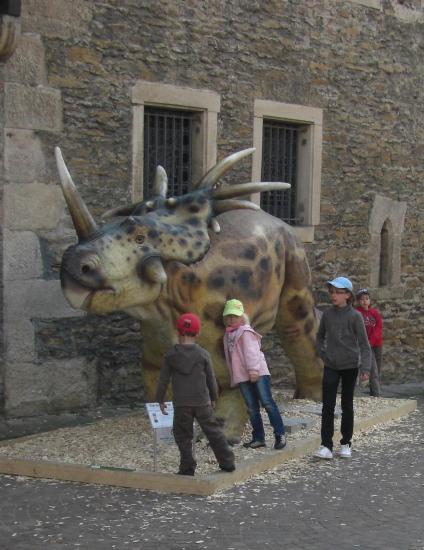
345 451
254 444
230 468
280 442
323 452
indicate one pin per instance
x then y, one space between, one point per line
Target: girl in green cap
249 371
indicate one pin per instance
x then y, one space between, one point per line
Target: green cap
233 307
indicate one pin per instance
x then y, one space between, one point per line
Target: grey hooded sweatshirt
342 341
189 367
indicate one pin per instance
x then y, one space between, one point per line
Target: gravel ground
127 442
373 501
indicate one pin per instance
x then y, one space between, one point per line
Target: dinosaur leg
150 376
296 326
231 408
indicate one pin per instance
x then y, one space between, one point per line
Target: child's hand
294 330
163 408
364 376
253 377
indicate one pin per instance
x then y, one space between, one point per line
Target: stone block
27 64
293 425
37 108
32 389
19 339
23 157
22 256
24 301
33 206
60 18
37 298
317 409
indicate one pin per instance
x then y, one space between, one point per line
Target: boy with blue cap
342 344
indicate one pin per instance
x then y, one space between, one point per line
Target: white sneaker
345 451
323 452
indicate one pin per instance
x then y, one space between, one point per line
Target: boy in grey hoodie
342 343
195 392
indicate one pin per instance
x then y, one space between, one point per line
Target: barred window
279 163
168 142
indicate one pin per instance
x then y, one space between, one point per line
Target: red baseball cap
188 324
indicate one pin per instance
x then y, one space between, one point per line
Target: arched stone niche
386 226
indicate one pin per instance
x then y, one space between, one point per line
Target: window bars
168 142
279 163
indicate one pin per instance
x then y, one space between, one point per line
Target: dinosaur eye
140 238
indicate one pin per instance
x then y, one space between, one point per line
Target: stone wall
69 84
1 249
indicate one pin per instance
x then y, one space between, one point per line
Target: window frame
309 156
373 4
167 96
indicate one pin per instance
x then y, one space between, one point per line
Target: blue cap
341 282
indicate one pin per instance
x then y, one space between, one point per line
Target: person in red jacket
374 327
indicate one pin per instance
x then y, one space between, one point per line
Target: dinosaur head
122 265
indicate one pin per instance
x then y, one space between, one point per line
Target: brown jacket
189 367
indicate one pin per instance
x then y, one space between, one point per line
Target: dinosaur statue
166 256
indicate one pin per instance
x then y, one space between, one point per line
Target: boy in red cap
195 391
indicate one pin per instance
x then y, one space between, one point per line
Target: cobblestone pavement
373 501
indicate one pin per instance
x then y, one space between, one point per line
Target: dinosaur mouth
78 295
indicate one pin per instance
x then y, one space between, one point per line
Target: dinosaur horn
120 210
219 169
230 204
160 185
81 217
231 191
152 269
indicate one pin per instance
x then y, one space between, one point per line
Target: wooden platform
171 483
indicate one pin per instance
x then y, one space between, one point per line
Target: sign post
161 425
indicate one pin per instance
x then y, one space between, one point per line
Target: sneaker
254 444
323 452
345 451
185 473
228 468
280 442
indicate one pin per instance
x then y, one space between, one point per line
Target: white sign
161 423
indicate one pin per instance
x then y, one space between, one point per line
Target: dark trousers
375 388
378 354
330 383
183 435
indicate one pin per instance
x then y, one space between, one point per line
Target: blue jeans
257 394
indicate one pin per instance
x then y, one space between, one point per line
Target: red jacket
374 326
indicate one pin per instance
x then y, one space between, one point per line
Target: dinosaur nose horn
81 217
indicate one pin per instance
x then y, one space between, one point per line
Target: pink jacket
243 354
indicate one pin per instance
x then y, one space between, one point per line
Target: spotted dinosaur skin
164 257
